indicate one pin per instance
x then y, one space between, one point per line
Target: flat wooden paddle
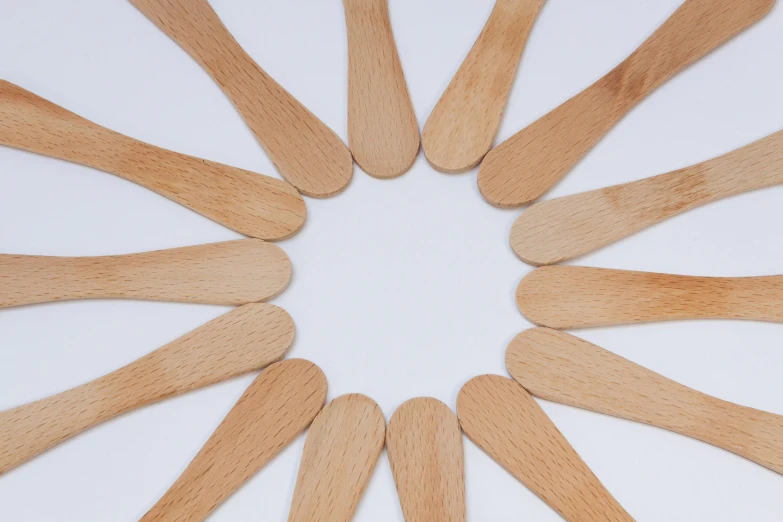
238 342
574 297
563 228
463 124
306 152
229 273
424 443
526 165
343 444
505 421
274 409
382 128
252 204
562 368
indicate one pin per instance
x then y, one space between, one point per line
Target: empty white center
404 287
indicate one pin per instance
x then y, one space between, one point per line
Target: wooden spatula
424 443
252 204
382 128
503 419
230 273
274 409
463 124
574 297
238 342
343 444
306 152
563 228
562 368
526 165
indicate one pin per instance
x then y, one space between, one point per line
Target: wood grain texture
243 340
229 273
526 165
563 228
574 297
343 444
252 204
382 128
562 368
505 421
307 153
274 409
464 122
424 444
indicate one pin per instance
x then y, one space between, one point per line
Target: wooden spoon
306 152
463 124
424 443
340 452
563 228
230 273
238 342
382 128
504 420
274 409
526 165
574 297
562 368
251 204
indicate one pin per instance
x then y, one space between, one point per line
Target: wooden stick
238 342
274 409
526 165
562 368
563 228
252 204
306 152
229 273
424 443
463 124
503 419
382 128
340 452
575 297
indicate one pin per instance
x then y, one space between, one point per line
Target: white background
401 288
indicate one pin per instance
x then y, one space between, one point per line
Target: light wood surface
343 444
562 368
503 419
463 124
252 204
563 228
238 342
382 128
424 444
306 152
274 409
229 273
526 165
574 297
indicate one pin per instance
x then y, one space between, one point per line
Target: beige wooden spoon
306 152
562 368
274 409
230 273
526 165
563 228
343 444
463 124
503 419
424 443
252 204
575 297
238 342
382 128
